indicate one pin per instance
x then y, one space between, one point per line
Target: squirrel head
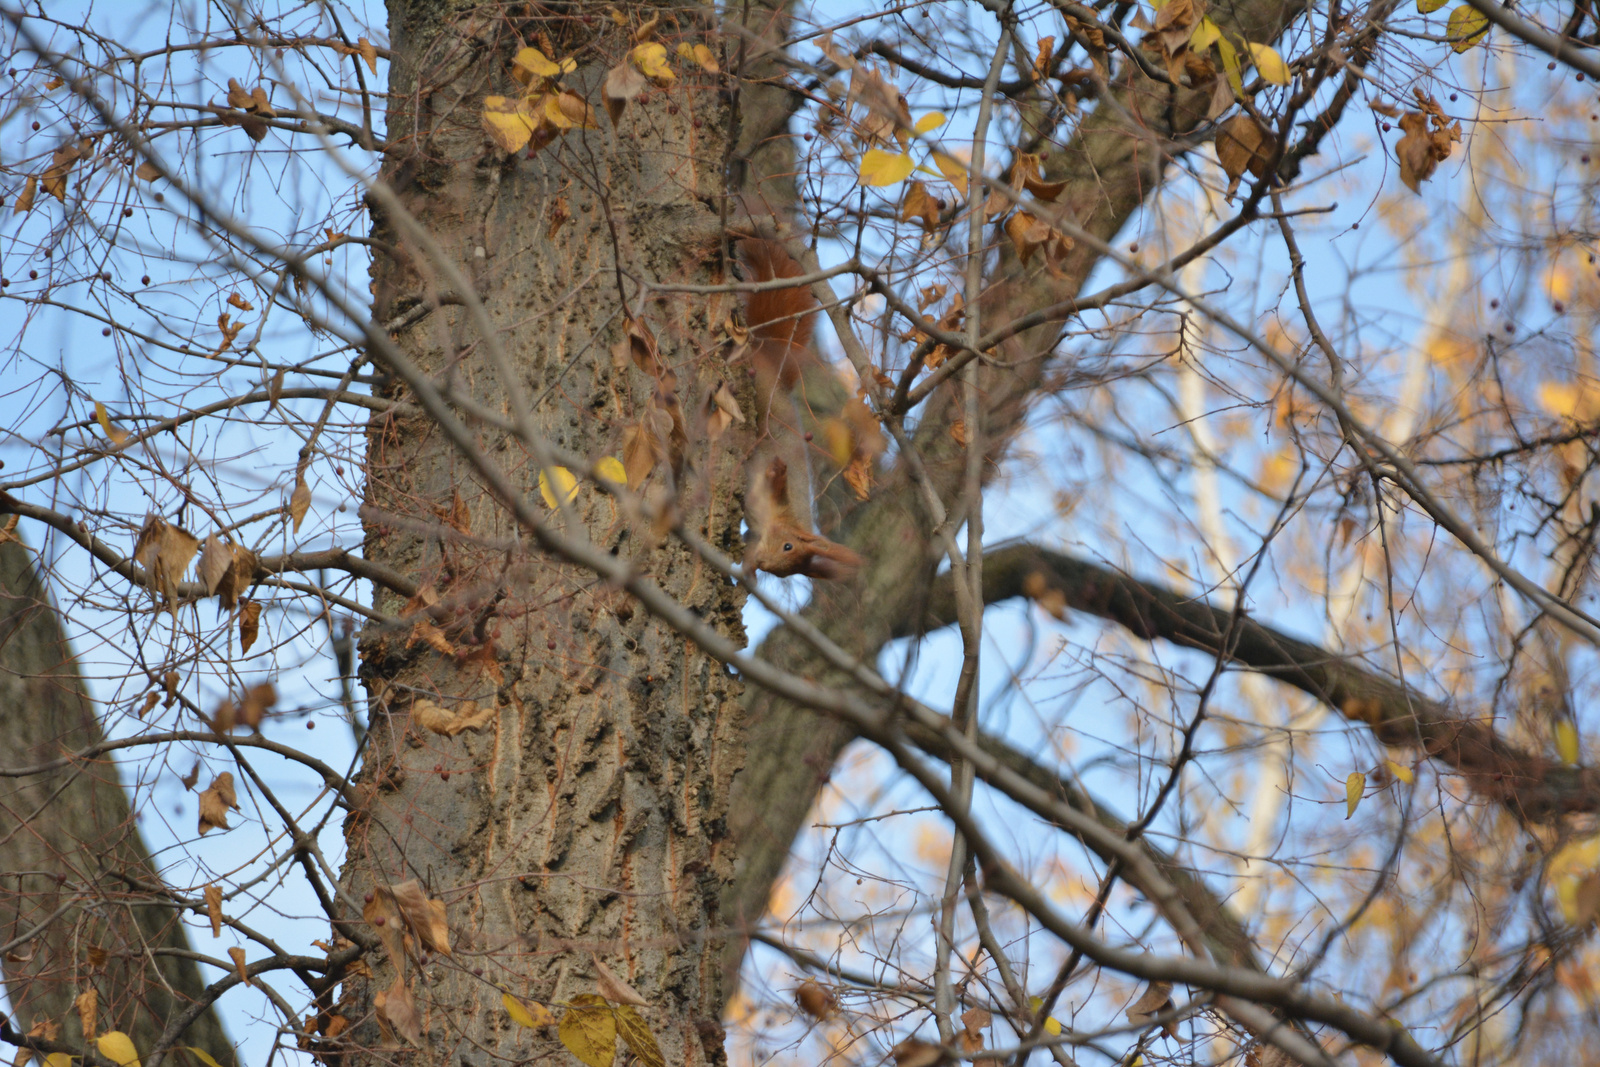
782 545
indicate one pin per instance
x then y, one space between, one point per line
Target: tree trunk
587 818
72 864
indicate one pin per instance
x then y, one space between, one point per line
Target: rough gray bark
72 864
589 816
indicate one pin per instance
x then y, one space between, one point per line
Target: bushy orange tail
780 319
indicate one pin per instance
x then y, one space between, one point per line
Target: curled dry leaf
722 411
150 700
249 624
30 189
213 897
917 204
1038 588
466 716
1422 149
299 501
189 780
913 1052
396 1008
257 701
164 551
1242 145
613 988
215 802
623 83
1156 998
815 999
62 160
87 1004
383 915
424 916
240 968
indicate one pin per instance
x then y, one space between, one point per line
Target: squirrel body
784 541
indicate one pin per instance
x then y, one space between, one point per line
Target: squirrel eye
787 547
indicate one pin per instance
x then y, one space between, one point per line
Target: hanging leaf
883 168
87 1004
815 999
240 968
1428 7
369 52
117 1047
612 986
931 121
1205 35
1271 65
425 916
215 802
114 433
953 170
299 501
636 1034
1401 771
30 189
1467 26
214 908
249 624
1230 66
1567 741
200 1054
1354 787
589 1030
651 59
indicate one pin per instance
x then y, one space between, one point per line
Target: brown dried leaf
1038 588
30 189
916 1053
215 802
858 476
623 83
613 988
815 999
164 550
88 1005
430 635
640 453
383 915
150 700
249 623
1027 234
919 205
558 215
260 104
258 700
369 52
299 501
240 968
1243 145
1156 998
721 411
96 958
216 560
424 916
214 908
398 1010
238 95
192 777
1420 151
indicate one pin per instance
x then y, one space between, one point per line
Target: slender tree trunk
75 877
587 818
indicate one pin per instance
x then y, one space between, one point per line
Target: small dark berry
1511 327
551 645
1134 247
4 282
1580 76
1551 65
36 125
698 123
1387 127
368 897
1558 307
1355 225
33 274
1452 96
1584 158
672 109
378 921
105 331
810 435
810 136
1494 303
145 280
311 726
158 197
127 212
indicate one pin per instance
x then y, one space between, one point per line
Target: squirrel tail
780 320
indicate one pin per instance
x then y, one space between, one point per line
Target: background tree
1100 340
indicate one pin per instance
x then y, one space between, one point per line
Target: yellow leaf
611 469
507 122
557 480
117 1047
1401 771
58 1059
953 170
1468 26
530 63
651 59
114 433
1354 787
1430 6
1567 741
1204 36
1052 1025
636 1034
589 1030
1269 63
931 121
883 168
699 55
1230 66
525 1013
199 1053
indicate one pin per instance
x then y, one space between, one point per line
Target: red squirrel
780 322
